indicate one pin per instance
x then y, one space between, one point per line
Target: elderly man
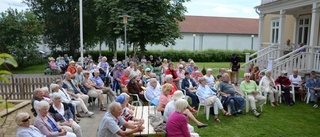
297 82
112 120
313 84
189 85
230 95
251 88
74 91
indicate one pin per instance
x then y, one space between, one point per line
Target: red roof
221 25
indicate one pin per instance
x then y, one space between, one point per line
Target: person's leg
191 116
271 97
109 93
237 77
84 98
286 94
194 98
219 105
261 99
239 102
252 101
76 129
67 128
301 92
233 107
82 105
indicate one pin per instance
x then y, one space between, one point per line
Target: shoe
79 116
193 110
235 114
103 108
227 114
257 114
236 84
203 125
240 112
291 104
89 114
217 119
315 106
272 104
78 119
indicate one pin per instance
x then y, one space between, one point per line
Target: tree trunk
142 47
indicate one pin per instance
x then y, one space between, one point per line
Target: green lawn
300 120
36 69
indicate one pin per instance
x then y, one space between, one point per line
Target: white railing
268 1
316 59
262 57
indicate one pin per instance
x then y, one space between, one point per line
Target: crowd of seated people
81 82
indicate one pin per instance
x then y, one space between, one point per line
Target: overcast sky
221 8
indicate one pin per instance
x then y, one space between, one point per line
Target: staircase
270 58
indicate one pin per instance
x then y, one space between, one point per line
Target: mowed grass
300 120
36 69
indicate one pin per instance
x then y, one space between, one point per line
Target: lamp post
81 31
194 42
125 21
252 36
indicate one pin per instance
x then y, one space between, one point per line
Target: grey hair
246 74
56 95
42 104
153 75
113 106
96 71
53 87
20 117
35 92
67 73
79 67
45 89
153 80
224 75
202 79
168 77
180 105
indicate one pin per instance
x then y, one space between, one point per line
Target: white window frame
274 31
303 38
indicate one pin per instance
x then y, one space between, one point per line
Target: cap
283 72
209 69
147 69
313 72
121 99
132 75
177 95
180 66
120 65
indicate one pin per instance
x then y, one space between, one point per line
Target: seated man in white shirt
170 108
153 92
297 82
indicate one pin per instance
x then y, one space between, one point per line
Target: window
303 30
275 31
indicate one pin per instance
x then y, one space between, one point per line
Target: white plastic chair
307 98
136 102
291 92
206 107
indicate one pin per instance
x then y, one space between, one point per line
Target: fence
22 88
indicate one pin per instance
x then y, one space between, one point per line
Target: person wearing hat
146 76
285 83
72 67
235 66
170 108
134 88
313 84
123 100
112 120
148 65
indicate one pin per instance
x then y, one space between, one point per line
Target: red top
174 88
71 69
124 80
284 81
168 72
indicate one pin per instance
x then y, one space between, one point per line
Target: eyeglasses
285 74
26 120
247 76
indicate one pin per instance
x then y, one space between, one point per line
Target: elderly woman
153 91
146 76
100 85
173 72
103 64
285 83
197 76
89 84
46 94
195 69
61 113
72 67
210 79
25 129
168 79
134 88
165 96
297 82
190 86
268 86
209 98
47 125
177 123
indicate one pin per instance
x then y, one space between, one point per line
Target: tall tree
62 22
151 21
19 34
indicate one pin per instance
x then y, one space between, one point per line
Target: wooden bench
143 112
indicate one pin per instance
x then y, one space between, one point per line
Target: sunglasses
26 120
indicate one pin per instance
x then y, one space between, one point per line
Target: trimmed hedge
175 55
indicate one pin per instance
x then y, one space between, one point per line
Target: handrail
270 50
263 50
291 53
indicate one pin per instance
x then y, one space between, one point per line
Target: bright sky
221 8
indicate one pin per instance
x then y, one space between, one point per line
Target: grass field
36 69
300 120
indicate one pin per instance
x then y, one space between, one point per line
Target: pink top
177 125
53 65
164 99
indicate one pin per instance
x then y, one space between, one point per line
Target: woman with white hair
177 123
103 64
47 125
46 94
210 79
61 113
153 91
268 86
99 84
25 129
168 79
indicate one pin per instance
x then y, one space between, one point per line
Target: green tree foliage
19 34
151 21
62 23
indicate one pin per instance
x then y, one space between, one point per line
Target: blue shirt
54 127
204 92
313 83
98 80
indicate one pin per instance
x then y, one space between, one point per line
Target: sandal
217 119
227 114
103 108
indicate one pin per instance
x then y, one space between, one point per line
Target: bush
175 55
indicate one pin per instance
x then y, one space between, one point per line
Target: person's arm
184 126
183 84
129 132
43 128
243 87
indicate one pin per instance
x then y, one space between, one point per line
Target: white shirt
60 111
296 80
64 96
210 80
